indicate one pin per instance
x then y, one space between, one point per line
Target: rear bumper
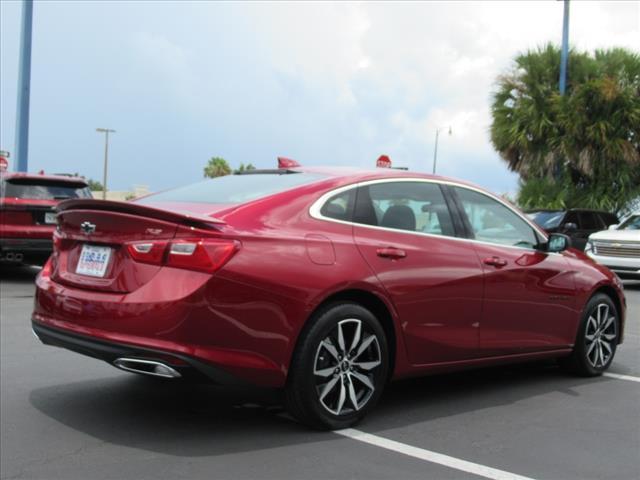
187 315
188 367
43 246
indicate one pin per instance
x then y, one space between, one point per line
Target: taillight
204 255
148 252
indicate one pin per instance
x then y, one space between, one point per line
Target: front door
528 294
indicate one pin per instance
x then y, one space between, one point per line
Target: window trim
314 211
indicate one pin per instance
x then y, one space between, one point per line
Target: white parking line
622 377
429 456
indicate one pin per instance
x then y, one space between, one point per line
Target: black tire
581 361
316 354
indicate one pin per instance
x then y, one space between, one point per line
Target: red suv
327 283
27 216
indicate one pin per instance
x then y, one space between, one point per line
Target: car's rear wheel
339 369
597 338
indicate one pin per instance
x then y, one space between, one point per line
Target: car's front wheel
597 338
339 369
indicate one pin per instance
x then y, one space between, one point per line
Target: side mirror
570 227
558 242
614 226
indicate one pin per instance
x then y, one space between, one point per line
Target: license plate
93 261
50 217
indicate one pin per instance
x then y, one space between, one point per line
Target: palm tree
217 167
244 168
582 148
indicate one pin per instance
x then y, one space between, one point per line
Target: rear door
528 294
407 234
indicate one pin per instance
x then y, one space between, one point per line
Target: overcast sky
324 83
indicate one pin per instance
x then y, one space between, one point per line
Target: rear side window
339 206
412 206
589 221
44 190
234 188
608 219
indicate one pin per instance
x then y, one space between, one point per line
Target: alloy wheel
345 367
600 336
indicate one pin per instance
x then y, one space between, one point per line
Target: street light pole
24 89
106 131
435 148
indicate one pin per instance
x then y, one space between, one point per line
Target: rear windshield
234 188
546 219
43 190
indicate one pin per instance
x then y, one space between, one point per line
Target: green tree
243 168
94 185
217 167
580 149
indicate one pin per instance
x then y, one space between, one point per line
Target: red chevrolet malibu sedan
27 216
324 282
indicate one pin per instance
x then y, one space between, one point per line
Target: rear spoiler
188 218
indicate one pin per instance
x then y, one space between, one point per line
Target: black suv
576 223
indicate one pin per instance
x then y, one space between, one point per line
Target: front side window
493 222
413 206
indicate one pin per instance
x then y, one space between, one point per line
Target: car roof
349 175
41 176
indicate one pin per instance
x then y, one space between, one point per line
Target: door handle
391 252
495 261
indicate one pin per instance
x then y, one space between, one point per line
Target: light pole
435 149
106 131
24 89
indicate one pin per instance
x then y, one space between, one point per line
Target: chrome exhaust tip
146 367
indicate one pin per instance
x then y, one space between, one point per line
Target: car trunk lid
117 246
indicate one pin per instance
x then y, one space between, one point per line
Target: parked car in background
326 283
27 216
618 248
578 224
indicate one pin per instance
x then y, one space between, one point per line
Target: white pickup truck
618 248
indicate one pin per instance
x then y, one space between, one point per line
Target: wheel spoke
341 344
324 372
330 348
607 347
356 336
364 345
352 395
328 387
600 353
590 337
363 379
592 325
609 336
607 324
367 365
591 347
341 398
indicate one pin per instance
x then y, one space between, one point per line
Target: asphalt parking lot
67 416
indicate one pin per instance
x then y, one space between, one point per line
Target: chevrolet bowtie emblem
87 228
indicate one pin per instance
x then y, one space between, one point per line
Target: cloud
323 82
